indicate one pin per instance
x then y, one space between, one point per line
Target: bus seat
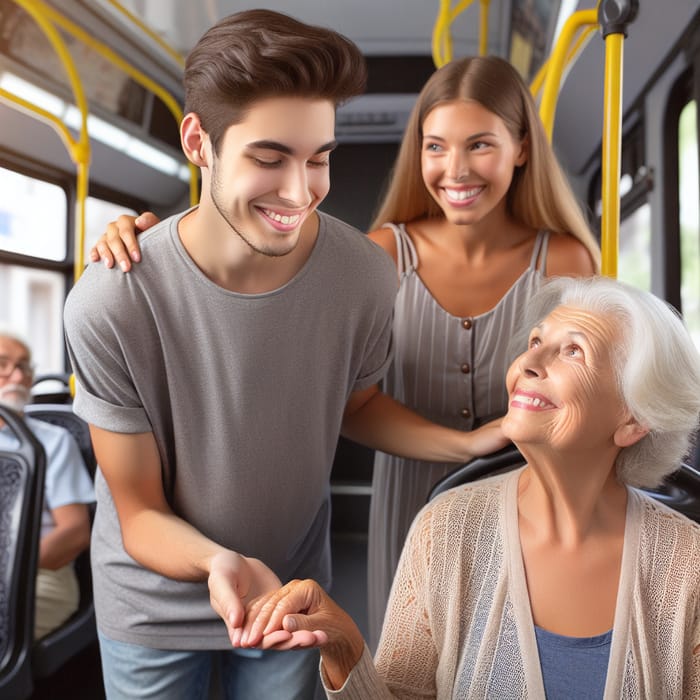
55 389
489 465
62 414
22 473
680 490
76 633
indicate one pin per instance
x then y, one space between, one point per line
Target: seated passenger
559 579
65 520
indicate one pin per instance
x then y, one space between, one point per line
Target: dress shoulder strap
539 253
406 256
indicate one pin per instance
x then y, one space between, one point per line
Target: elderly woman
560 579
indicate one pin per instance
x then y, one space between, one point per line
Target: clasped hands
261 613
300 615
297 615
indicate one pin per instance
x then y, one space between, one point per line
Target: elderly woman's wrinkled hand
301 615
283 618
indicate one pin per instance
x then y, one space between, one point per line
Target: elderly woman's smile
530 401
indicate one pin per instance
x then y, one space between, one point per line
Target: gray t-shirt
245 396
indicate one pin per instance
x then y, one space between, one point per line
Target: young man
68 491
217 375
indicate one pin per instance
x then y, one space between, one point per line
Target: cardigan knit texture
459 623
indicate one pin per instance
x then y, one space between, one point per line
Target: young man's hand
234 581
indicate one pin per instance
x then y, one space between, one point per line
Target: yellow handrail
556 64
484 27
178 57
583 38
131 71
79 150
68 141
442 39
440 36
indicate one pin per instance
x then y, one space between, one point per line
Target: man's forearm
169 545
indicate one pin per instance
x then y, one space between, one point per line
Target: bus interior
91 97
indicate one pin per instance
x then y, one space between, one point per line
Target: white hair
657 368
11 334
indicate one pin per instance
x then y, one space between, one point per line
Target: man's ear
629 432
194 140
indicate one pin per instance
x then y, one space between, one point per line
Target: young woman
477 214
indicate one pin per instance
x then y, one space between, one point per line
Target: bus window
634 261
689 218
33 307
98 212
32 216
634 242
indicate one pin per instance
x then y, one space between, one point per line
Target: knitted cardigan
459 623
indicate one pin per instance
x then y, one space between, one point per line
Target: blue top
573 668
67 478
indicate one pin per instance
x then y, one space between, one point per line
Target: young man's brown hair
253 55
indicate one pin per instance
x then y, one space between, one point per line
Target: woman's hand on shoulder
486 439
568 257
118 243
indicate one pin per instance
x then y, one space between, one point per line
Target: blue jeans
134 672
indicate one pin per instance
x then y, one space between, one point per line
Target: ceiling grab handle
613 16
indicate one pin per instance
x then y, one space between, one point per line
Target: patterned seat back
22 473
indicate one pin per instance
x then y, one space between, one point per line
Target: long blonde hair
539 195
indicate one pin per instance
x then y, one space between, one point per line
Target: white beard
14 396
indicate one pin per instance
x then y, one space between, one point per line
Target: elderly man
65 520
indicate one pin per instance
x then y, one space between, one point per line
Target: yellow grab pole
484 27
610 157
614 16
